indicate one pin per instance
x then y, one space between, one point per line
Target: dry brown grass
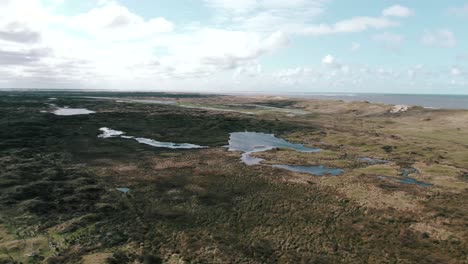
435 229
96 258
20 249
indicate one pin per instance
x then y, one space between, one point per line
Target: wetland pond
170 145
406 178
373 161
123 189
131 100
72 111
252 142
314 170
111 133
258 142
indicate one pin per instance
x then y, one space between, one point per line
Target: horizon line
220 92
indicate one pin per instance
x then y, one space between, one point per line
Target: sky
341 46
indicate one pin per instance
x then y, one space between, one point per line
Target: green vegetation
58 202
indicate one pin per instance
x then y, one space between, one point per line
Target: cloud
22 57
333 63
251 71
443 38
17 32
397 11
236 6
109 45
266 16
247 6
35 40
456 71
328 60
292 17
241 48
353 25
114 21
418 78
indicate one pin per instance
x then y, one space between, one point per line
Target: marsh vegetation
69 196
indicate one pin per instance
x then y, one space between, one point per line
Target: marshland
395 191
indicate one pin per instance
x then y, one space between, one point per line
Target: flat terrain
58 180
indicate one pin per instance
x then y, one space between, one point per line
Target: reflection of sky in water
170 145
123 189
258 142
251 142
109 133
406 179
314 170
72 111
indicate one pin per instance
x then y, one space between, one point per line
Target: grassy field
58 180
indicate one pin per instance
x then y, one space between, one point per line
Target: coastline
429 101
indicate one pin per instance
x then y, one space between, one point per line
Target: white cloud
116 44
246 6
266 16
250 71
328 60
110 46
113 21
418 78
439 38
237 47
292 4
397 11
236 6
292 17
19 33
39 44
456 71
356 24
331 62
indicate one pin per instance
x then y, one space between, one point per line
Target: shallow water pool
259 142
72 111
110 133
253 142
314 170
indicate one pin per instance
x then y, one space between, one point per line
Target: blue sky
236 45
